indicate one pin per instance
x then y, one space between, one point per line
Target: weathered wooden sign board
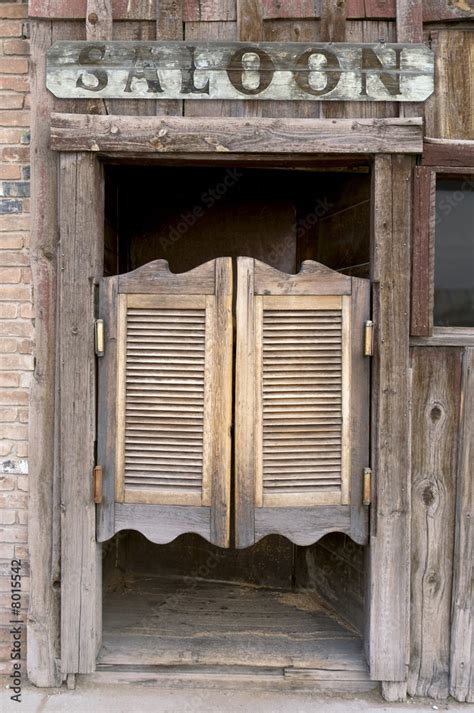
235 70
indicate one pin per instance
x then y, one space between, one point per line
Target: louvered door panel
165 395
303 383
302 391
165 382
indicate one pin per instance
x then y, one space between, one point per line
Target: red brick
10 136
13 362
14 432
8 311
13 397
25 346
15 118
6 448
10 171
13 533
16 46
13 83
14 65
9 379
10 275
14 241
26 311
7 481
20 154
23 414
7 415
9 345
7 517
22 293
16 328
13 10
21 449
12 500
7 552
10 28
12 101
13 258
13 223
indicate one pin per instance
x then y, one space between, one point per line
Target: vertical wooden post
43 528
410 29
390 527
462 632
333 29
80 262
169 26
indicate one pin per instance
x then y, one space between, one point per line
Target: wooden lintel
126 134
445 152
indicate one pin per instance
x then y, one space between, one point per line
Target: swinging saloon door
302 403
301 435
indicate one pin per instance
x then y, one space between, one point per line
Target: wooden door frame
83 142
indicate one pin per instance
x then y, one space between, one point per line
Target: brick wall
16 327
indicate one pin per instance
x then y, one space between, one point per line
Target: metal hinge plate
99 337
369 338
97 483
367 494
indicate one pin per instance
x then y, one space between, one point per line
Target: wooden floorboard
155 621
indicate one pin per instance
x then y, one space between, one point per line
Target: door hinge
97 484
99 337
367 495
369 338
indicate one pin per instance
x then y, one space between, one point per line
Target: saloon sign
234 70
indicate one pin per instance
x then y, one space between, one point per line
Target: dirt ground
131 698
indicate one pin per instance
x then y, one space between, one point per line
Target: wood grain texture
43 531
99 20
81 229
435 421
390 540
333 29
409 15
209 10
249 20
244 442
77 9
169 26
453 103
161 524
106 426
72 132
302 526
422 287
447 10
156 278
461 684
448 152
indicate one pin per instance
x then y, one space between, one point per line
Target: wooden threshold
177 630
168 134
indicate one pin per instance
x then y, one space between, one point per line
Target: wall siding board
435 422
462 631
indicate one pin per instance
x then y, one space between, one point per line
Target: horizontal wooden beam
126 134
446 152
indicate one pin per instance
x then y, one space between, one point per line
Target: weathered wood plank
244 443
303 526
74 132
249 20
410 29
77 9
434 423
284 31
43 530
462 629
448 152
169 26
81 228
99 20
422 288
390 541
161 524
333 29
447 10
446 337
290 9
209 10
290 71
454 77
156 278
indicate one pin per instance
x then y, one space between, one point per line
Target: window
454 251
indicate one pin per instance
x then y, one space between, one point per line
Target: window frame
440 158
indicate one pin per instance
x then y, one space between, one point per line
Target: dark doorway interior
275 605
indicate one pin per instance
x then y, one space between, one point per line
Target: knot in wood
93 18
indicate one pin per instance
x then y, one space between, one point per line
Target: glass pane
454 252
